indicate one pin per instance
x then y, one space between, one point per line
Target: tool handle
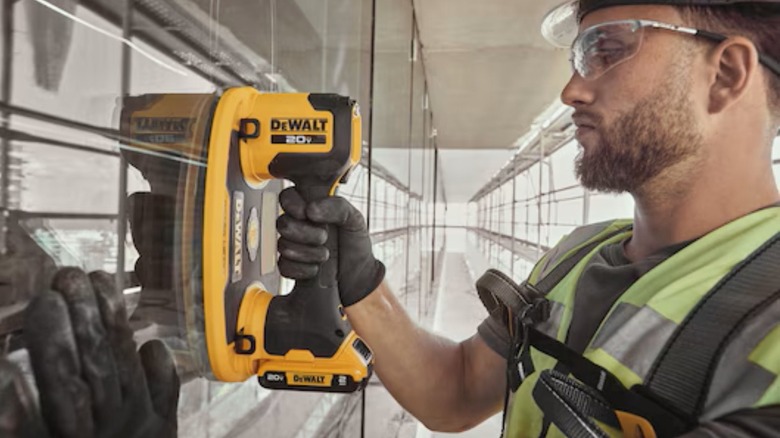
328 273
310 317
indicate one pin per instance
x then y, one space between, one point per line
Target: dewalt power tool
215 157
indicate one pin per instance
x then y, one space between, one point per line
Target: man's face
636 120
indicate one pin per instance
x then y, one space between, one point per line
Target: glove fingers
95 354
337 211
301 231
119 335
296 270
19 417
65 398
302 253
161 379
292 203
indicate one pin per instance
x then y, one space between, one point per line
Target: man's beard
657 133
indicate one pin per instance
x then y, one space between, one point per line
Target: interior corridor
458 313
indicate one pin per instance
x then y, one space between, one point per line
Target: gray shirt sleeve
494 332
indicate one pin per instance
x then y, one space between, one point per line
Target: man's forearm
425 373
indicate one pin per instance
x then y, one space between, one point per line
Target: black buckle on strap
537 308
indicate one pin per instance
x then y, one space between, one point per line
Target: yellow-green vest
645 316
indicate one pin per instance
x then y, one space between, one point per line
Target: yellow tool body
301 340
218 161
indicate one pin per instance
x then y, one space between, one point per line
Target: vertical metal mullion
372 74
551 195
409 164
386 202
372 78
488 216
121 226
513 227
489 242
485 244
435 198
527 204
539 198
5 89
499 216
423 202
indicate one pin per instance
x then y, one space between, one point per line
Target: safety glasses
601 47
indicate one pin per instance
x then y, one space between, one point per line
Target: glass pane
87 184
106 156
225 43
73 69
152 71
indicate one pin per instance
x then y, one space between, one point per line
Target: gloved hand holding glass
91 380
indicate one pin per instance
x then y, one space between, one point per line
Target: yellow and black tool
244 139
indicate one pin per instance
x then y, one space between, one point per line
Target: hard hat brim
560 25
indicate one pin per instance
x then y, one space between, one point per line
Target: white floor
458 313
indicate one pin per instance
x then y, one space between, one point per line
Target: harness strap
524 305
666 421
678 384
496 289
571 406
544 286
674 406
683 372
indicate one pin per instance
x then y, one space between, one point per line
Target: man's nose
577 92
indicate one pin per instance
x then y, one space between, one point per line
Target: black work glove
90 379
302 244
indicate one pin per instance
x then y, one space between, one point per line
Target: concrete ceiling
489 71
490 74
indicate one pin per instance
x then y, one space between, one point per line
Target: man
683 122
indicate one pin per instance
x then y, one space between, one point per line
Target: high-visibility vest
644 317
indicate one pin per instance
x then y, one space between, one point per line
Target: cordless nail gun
227 148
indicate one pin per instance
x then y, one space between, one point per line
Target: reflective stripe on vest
641 321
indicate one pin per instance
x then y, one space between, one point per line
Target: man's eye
607 53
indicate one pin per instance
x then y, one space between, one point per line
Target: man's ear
735 67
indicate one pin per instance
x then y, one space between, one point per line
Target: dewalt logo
310 380
299 125
238 235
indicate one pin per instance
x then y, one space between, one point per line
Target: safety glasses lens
602 47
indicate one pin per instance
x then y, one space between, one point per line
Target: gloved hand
302 244
91 381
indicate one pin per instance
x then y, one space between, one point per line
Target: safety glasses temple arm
769 62
667 26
